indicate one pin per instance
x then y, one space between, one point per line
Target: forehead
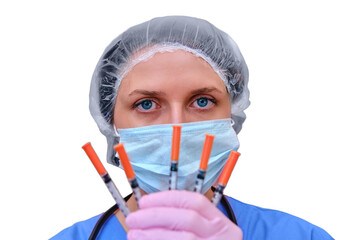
179 68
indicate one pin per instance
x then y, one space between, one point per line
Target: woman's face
170 87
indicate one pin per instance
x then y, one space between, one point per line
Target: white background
299 144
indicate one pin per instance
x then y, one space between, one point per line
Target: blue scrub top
255 222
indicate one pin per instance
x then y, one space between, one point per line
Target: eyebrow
159 93
146 92
205 90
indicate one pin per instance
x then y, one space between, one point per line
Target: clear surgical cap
166 34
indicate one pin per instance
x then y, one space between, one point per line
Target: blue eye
147 104
202 102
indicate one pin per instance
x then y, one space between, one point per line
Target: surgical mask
149 151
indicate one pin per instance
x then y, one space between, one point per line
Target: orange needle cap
175 144
125 160
94 158
229 166
209 139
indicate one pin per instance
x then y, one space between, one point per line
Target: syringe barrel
199 180
135 187
173 175
116 195
218 194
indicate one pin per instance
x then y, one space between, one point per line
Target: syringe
106 178
209 139
175 148
224 177
128 170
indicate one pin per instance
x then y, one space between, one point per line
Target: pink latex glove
179 215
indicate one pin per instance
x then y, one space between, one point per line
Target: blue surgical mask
149 151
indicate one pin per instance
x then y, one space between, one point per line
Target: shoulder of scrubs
261 223
112 229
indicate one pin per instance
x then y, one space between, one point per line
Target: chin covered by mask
149 151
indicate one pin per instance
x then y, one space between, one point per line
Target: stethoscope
102 220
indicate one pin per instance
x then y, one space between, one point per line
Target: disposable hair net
159 35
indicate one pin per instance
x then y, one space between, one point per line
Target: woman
184 71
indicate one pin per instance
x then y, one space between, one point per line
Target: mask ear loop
117 137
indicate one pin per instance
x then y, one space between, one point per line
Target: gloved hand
179 215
